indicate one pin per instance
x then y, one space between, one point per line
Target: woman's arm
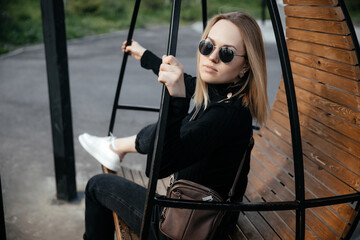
153 62
148 60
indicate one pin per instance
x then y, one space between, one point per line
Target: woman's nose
214 56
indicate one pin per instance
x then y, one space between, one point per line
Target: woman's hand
134 49
172 75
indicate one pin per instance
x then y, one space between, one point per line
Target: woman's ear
243 70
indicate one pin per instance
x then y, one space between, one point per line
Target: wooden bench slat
325 78
317 25
312 188
312 2
334 184
259 165
137 178
339 41
125 231
352 163
127 173
144 178
237 234
289 216
319 227
247 228
286 194
351 222
279 226
337 54
332 94
321 144
326 118
318 12
329 66
341 228
259 222
329 106
339 140
323 176
277 163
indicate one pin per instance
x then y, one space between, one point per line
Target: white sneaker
100 149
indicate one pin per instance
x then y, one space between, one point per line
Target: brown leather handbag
193 224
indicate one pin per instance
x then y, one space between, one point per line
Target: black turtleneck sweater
209 148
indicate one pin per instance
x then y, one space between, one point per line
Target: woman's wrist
142 51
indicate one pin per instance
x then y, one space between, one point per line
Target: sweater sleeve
152 62
184 145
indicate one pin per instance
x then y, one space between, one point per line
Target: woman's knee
96 182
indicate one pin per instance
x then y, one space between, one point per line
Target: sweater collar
218 92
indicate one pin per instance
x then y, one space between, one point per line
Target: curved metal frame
300 204
357 51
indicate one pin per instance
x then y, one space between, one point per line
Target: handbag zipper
203 191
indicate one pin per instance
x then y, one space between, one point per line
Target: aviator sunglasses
225 53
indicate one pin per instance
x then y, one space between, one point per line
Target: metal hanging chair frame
300 204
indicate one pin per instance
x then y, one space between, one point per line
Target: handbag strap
232 189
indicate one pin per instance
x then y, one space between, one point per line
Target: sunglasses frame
213 48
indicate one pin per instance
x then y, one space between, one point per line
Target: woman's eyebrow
226 45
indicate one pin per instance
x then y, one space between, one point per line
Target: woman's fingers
171 60
171 73
134 49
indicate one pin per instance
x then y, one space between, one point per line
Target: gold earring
242 73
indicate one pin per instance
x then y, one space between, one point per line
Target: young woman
205 146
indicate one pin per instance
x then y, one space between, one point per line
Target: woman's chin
209 78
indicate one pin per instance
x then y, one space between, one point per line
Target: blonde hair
253 91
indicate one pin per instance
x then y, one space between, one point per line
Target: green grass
20 20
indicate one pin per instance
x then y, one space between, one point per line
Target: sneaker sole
107 163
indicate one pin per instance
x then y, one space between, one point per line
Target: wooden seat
326 76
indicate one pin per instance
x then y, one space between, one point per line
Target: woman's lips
209 69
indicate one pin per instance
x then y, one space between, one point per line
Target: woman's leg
106 193
124 145
110 151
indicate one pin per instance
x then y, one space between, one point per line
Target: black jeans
106 193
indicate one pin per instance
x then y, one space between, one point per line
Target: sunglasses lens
205 47
226 54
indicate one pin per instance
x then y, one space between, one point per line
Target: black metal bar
321 202
240 206
355 223
2 216
53 20
293 115
123 66
263 12
160 132
138 108
256 206
204 13
357 51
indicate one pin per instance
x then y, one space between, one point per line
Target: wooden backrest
326 76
